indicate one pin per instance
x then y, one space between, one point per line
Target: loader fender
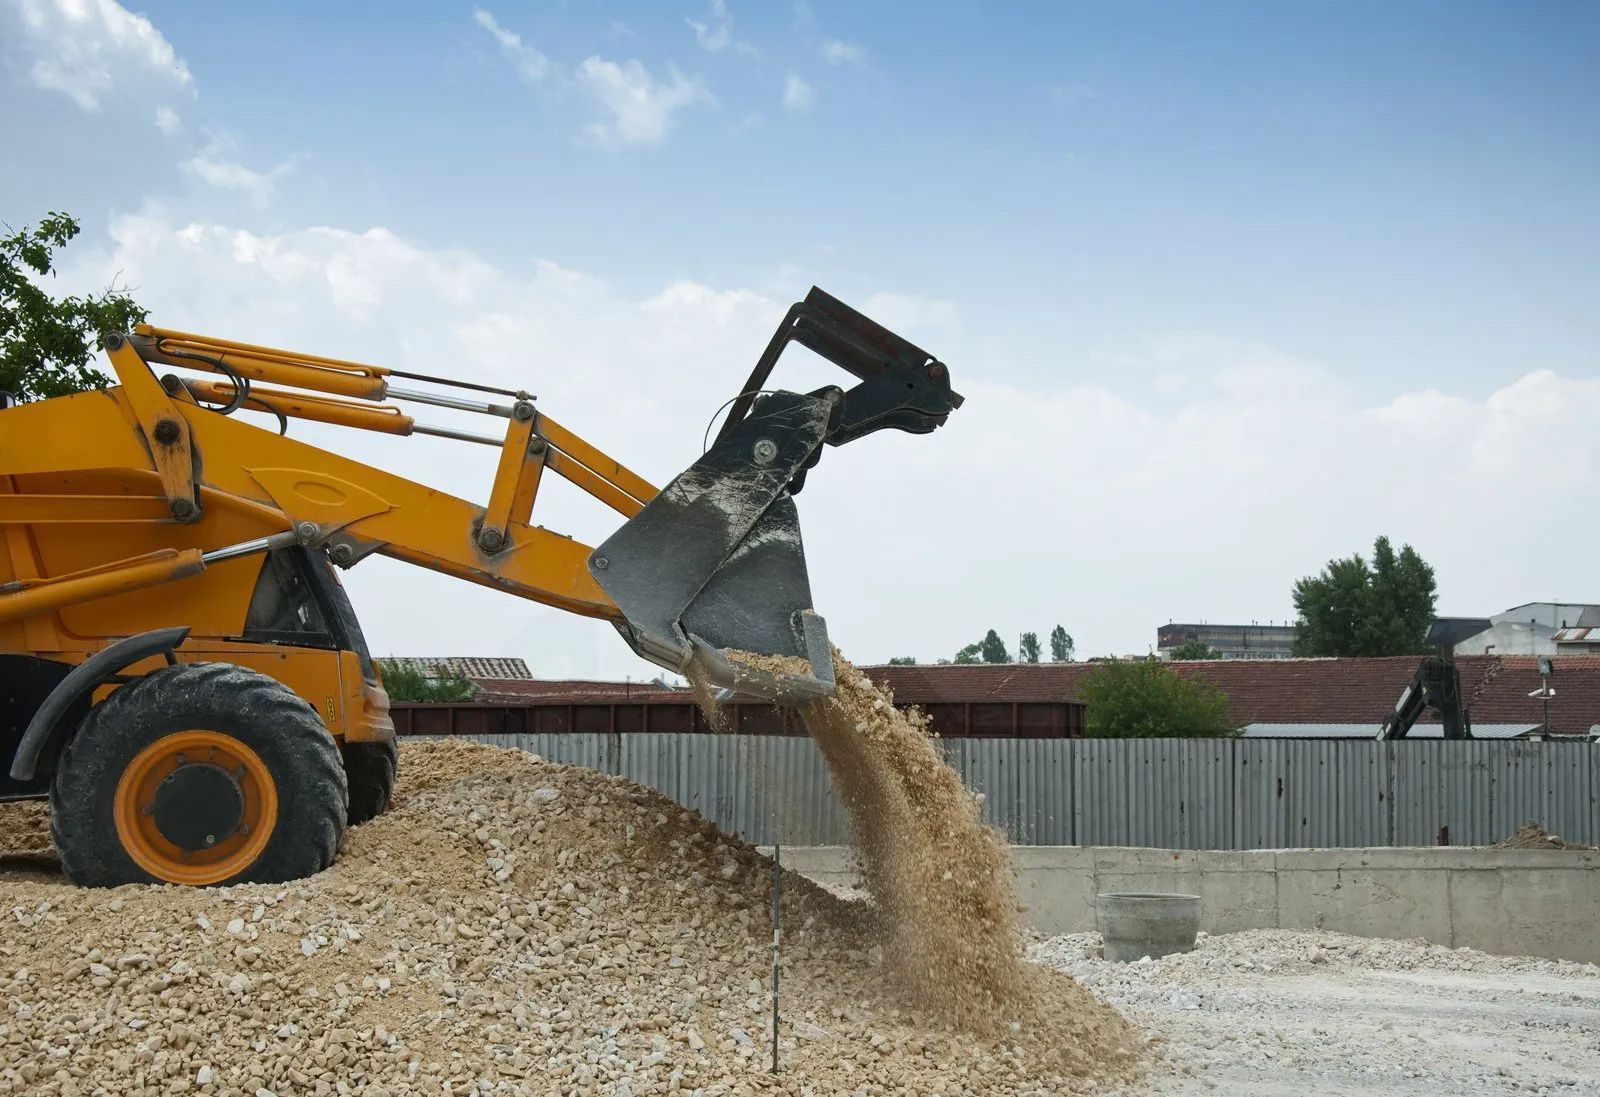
88 675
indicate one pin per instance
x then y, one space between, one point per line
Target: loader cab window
299 600
285 608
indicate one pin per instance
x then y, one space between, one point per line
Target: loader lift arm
710 562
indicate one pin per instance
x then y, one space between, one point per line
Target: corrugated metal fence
1167 793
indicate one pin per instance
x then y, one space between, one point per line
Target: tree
1028 648
1060 645
903 661
993 648
46 345
403 682
1195 649
1146 698
1353 609
969 654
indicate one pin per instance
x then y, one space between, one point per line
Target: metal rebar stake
777 912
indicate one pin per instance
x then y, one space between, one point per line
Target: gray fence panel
1418 808
1309 784
993 774
574 749
1155 804
1360 810
1260 821
1205 795
1169 793
1101 791
1044 781
1569 795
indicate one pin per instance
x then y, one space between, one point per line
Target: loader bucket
713 570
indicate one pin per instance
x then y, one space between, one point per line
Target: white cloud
86 49
168 121
716 32
531 65
798 96
215 171
640 107
1075 495
836 52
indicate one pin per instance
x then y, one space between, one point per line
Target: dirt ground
1322 1014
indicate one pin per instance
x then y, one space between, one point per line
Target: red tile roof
1276 691
1290 691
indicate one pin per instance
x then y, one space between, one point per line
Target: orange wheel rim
150 805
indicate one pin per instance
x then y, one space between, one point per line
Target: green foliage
1355 609
1145 698
903 661
993 648
46 345
1195 649
1028 648
402 683
1060 645
969 654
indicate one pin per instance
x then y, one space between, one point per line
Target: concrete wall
1508 901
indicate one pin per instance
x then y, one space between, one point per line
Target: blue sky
1177 228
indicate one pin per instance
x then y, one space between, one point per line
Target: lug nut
490 539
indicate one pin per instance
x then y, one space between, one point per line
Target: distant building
1538 628
1233 641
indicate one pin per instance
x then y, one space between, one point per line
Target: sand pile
1531 835
510 926
942 882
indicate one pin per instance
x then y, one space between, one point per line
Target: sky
1231 289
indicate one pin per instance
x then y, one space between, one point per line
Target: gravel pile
1322 1014
1531 835
510 926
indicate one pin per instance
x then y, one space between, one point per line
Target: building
1538 628
1300 698
478 670
1233 641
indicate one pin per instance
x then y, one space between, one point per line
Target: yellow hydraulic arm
202 459
713 562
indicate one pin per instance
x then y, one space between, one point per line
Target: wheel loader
186 678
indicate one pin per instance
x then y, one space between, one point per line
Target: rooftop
474 668
1274 692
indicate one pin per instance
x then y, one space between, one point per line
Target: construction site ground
514 926
1322 1014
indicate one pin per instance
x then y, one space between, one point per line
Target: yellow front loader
186 680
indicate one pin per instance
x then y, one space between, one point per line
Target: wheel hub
195 807
198 805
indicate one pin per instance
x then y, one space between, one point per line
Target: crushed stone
1318 1014
510 926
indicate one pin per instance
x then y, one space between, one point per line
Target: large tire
370 769
120 812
